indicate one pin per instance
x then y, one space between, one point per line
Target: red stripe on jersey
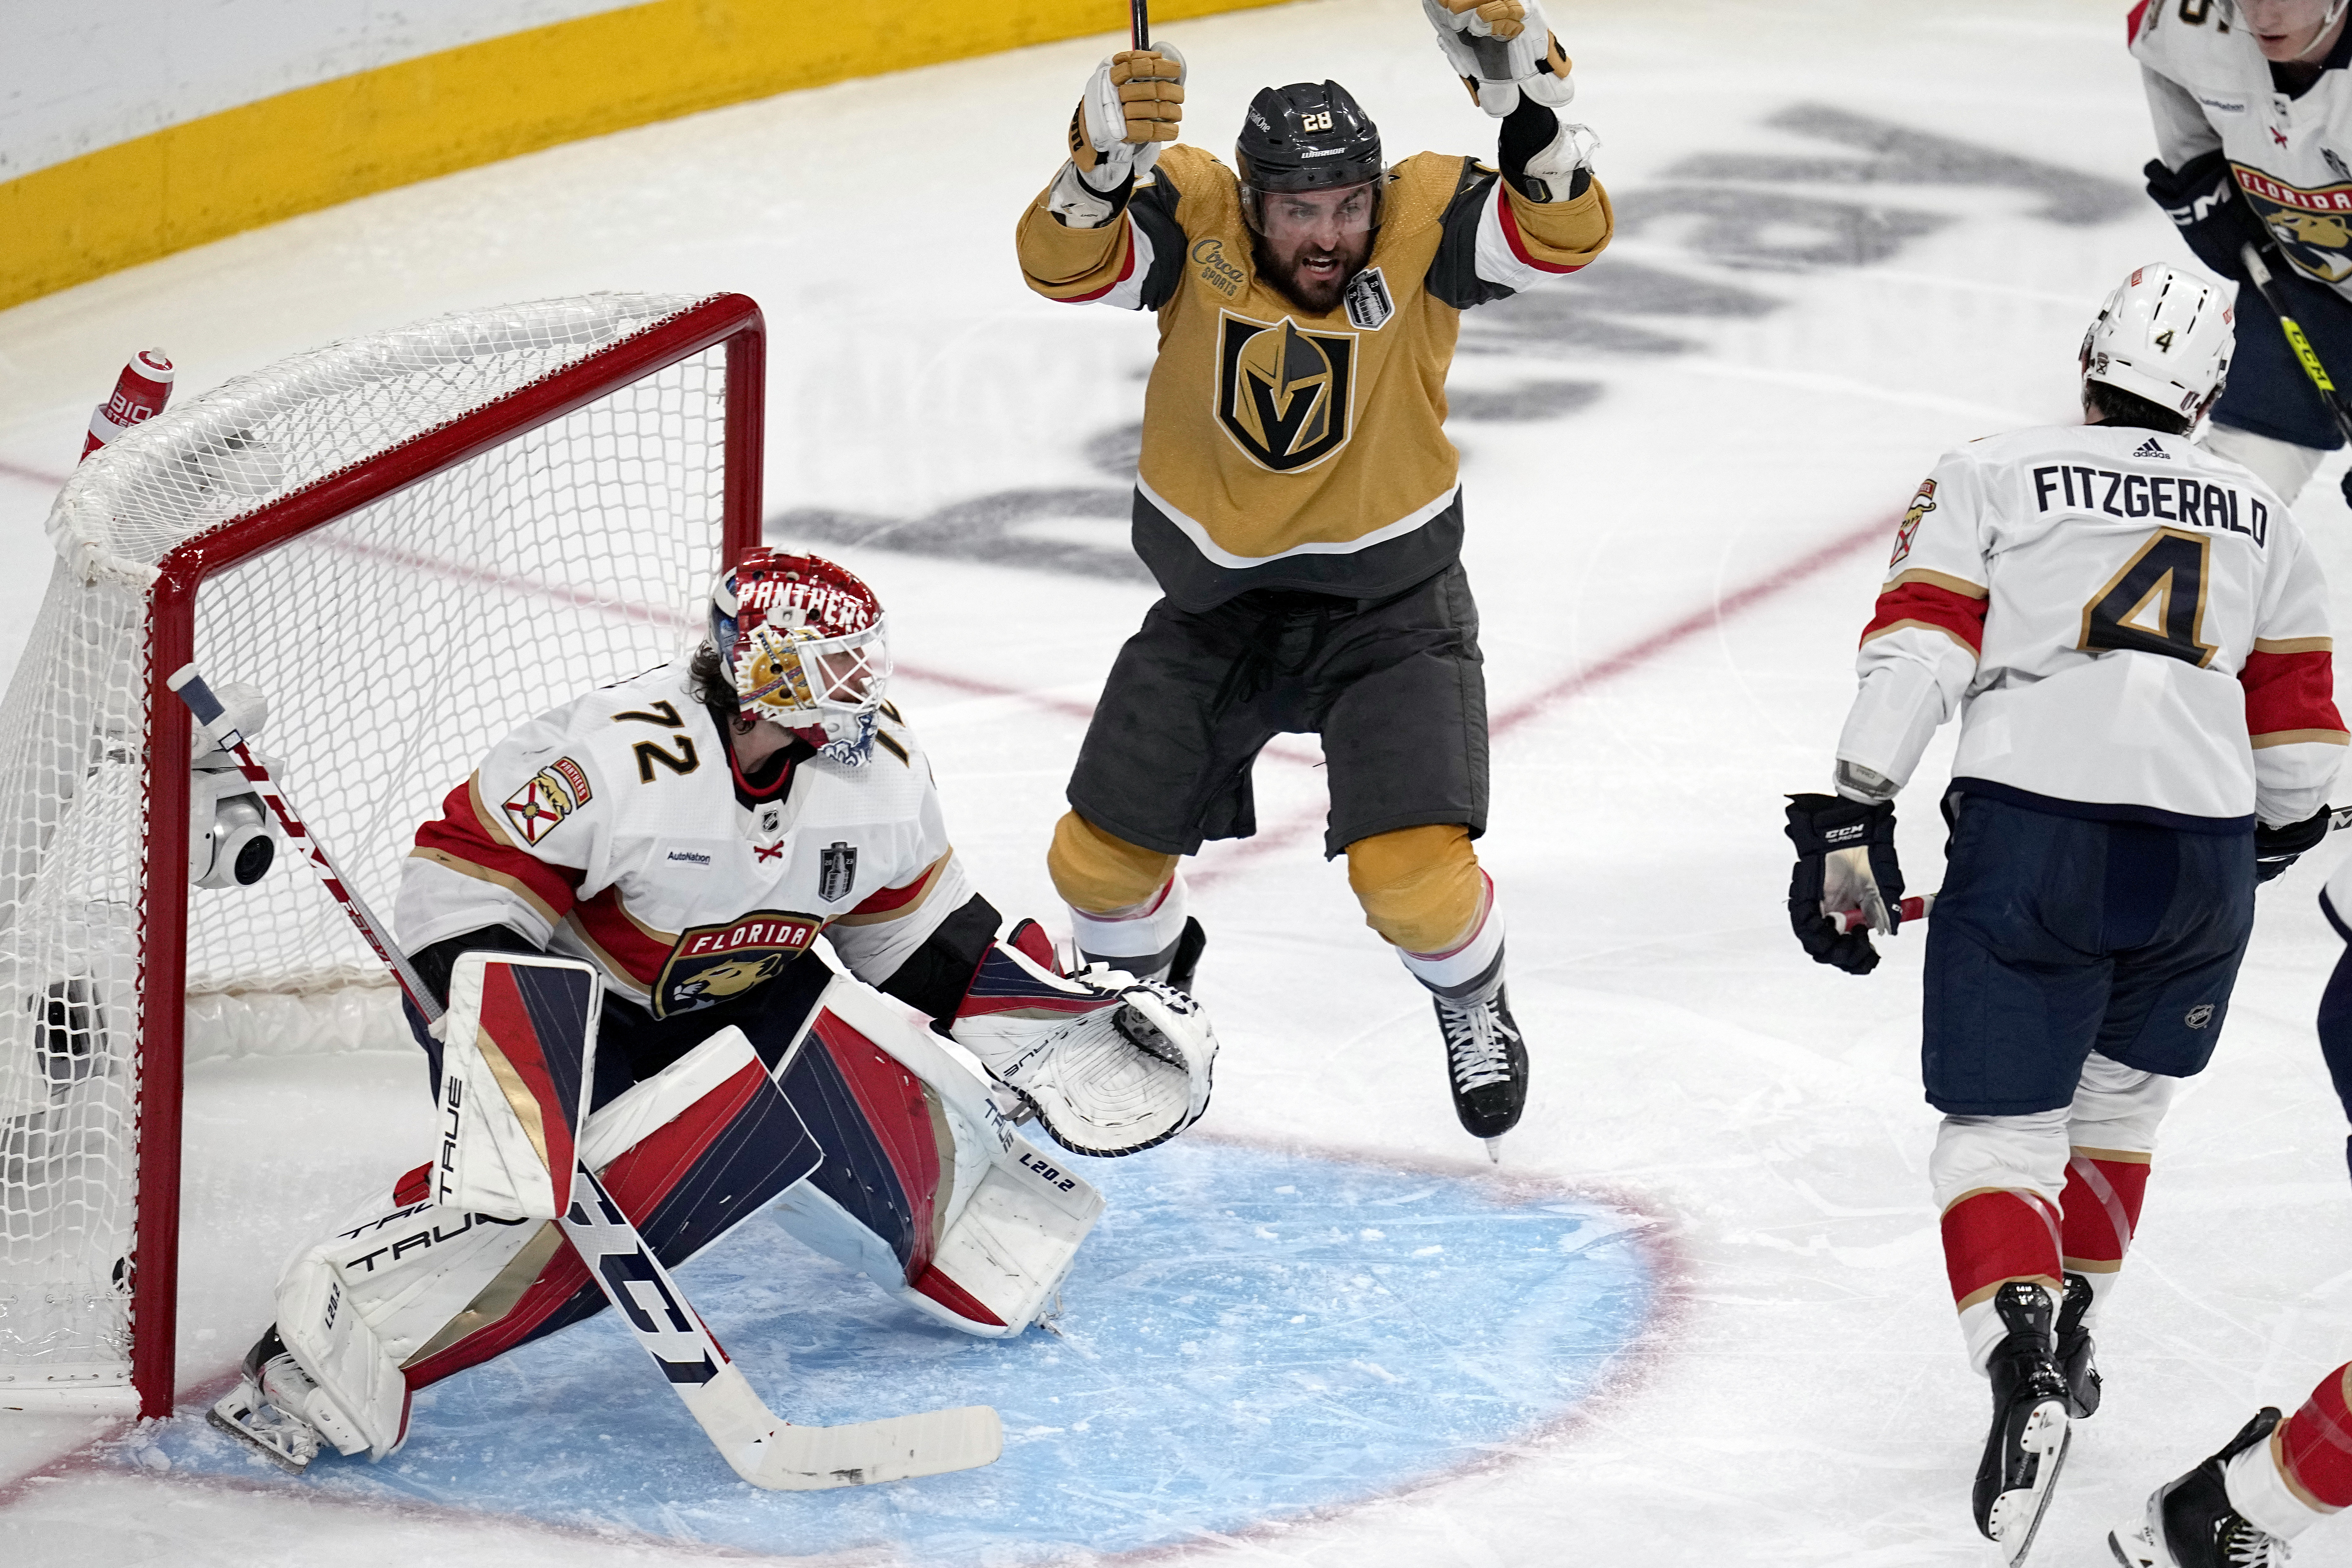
900 1117
607 924
1125 271
2131 23
460 834
2290 691
1990 1237
890 899
2316 1442
1519 245
1939 608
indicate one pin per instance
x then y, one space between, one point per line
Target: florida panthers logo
1921 505
1285 397
2312 226
712 964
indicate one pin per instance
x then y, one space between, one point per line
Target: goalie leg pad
518 1059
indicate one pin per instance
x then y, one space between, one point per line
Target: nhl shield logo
1284 395
836 871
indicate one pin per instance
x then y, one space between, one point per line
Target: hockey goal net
408 545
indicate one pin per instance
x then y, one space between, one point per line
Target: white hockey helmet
2165 336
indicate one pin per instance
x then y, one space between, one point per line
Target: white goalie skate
263 1410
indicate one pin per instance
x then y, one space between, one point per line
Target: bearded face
1309 243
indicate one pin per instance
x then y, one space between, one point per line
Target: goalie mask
804 643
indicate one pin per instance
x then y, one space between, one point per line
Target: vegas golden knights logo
1283 394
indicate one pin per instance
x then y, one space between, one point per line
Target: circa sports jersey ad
1462 782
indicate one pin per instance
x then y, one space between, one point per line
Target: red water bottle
140 392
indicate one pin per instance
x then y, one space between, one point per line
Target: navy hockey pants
2055 936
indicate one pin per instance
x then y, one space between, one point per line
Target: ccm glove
2204 203
2276 848
1133 103
1501 49
1846 859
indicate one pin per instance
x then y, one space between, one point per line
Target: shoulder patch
552 794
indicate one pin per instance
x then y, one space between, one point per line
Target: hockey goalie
685 837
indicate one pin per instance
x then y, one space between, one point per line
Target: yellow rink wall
315 146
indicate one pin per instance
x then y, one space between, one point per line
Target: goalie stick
765 1451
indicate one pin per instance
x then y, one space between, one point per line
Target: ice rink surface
1851 234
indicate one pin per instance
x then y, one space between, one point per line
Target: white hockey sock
1141 938
2259 1492
1472 969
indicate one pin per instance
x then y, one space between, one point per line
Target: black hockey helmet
1309 136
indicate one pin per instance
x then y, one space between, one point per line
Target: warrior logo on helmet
1283 394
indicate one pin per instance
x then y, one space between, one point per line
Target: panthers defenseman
1296 496
690 833
2253 106
2137 635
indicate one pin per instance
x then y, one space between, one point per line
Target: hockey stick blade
763 1451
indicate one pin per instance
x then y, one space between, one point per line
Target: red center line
35 476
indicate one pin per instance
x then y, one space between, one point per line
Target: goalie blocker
831 1101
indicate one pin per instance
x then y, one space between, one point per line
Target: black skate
2027 1443
2191 1523
1486 1064
2075 1350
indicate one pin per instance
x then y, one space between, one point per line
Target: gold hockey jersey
1282 449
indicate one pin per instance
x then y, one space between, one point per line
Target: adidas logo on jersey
2148 448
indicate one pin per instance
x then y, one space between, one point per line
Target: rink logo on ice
712 962
2200 1015
1283 394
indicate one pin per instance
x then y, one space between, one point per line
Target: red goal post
407 544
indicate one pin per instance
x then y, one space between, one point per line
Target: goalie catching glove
1502 50
1110 1064
1845 860
1132 104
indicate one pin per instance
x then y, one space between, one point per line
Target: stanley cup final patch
1368 302
836 871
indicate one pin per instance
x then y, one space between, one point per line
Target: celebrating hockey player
2137 636
2253 105
1296 497
690 833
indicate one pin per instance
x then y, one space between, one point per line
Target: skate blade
2134 1549
1494 1149
2016 1515
257 1440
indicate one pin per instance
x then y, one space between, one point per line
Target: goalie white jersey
617 828
2132 625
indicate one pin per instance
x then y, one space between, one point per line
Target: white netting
394 645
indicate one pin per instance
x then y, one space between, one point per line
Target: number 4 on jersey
2156 604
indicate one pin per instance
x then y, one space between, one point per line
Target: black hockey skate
2075 1350
2027 1444
2191 1523
1485 1064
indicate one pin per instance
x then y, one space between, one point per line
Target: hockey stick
1139 23
1914 908
2267 285
763 1451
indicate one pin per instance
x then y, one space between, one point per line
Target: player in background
2253 106
691 832
1296 498
2135 636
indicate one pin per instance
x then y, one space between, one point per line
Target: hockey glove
1110 1064
1846 859
2202 199
1132 104
1501 49
2276 848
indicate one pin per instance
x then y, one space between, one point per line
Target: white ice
1807 1402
